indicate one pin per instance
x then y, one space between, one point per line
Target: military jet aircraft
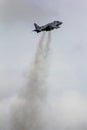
47 27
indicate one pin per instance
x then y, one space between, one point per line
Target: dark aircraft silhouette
47 27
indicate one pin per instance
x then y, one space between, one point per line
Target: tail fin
36 26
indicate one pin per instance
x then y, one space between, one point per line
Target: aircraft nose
61 23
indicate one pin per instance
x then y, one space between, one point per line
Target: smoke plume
27 114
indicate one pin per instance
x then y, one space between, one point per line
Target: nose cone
60 23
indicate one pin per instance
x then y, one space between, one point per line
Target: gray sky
68 64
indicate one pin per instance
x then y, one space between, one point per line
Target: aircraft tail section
37 28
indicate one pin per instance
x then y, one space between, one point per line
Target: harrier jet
47 27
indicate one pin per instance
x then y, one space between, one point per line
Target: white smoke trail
27 114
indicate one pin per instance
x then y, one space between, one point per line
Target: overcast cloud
67 95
